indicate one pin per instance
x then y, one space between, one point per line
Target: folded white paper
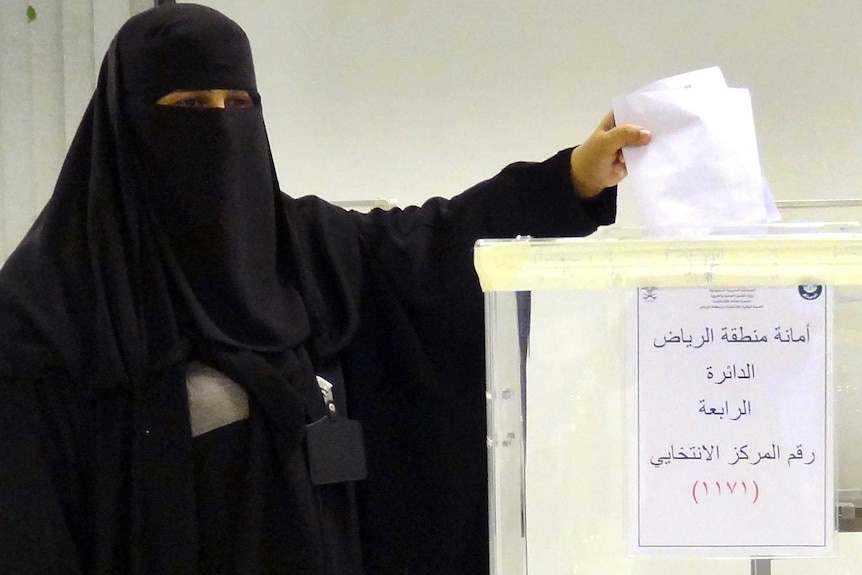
701 169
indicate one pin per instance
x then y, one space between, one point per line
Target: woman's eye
190 103
238 102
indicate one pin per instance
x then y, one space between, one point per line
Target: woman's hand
598 163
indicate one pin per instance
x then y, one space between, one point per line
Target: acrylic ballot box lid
571 486
632 257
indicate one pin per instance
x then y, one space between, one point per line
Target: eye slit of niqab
217 98
238 99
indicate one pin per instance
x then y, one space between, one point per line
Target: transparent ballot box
661 404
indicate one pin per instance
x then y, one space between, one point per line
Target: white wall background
48 69
403 99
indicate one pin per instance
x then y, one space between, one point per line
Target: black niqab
205 179
207 189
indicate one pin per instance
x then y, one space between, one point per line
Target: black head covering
166 236
164 222
207 181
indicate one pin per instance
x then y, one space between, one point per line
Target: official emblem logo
810 292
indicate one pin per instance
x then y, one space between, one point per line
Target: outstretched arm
598 162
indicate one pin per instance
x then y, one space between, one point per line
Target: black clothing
147 257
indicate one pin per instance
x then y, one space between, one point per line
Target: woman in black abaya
166 316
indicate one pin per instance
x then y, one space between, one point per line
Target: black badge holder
336 449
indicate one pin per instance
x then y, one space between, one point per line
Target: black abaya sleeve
427 251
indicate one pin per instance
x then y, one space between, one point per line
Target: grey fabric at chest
215 400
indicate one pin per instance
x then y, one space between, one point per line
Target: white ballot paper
701 169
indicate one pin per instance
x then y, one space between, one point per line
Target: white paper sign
733 422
